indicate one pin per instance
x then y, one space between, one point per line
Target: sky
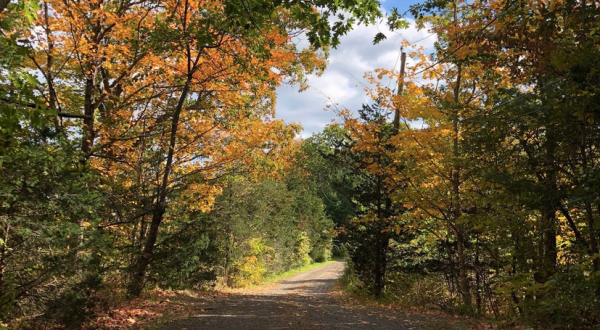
355 56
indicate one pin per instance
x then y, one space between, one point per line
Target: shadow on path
301 302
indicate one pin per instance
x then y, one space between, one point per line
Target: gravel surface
301 302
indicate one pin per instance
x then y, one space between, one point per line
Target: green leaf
30 79
378 38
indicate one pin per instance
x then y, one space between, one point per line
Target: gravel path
301 302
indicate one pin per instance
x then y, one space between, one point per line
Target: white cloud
355 56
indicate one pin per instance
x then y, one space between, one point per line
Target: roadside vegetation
473 181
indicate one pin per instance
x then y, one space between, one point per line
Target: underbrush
153 307
427 291
569 301
105 306
406 290
410 295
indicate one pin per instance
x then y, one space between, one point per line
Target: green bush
351 282
77 304
419 290
568 301
321 252
302 250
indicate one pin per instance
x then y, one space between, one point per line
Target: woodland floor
308 300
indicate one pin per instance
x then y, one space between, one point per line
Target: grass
273 279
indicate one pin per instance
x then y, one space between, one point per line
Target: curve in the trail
300 302
318 281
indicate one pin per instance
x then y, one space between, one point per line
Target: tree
171 76
496 171
166 101
361 170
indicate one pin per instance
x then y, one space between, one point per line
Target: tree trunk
592 237
478 301
137 281
548 248
381 266
455 198
593 242
87 141
3 257
463 276
548 213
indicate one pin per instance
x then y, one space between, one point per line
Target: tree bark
548 212
548 250
137 281
592 236
478 300
465 289
87 141
463 276
381 266
593 242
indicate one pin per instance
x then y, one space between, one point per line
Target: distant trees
361 177
268 228
256 230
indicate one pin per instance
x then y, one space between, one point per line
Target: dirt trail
318 281
302 302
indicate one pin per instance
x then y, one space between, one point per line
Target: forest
140 149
